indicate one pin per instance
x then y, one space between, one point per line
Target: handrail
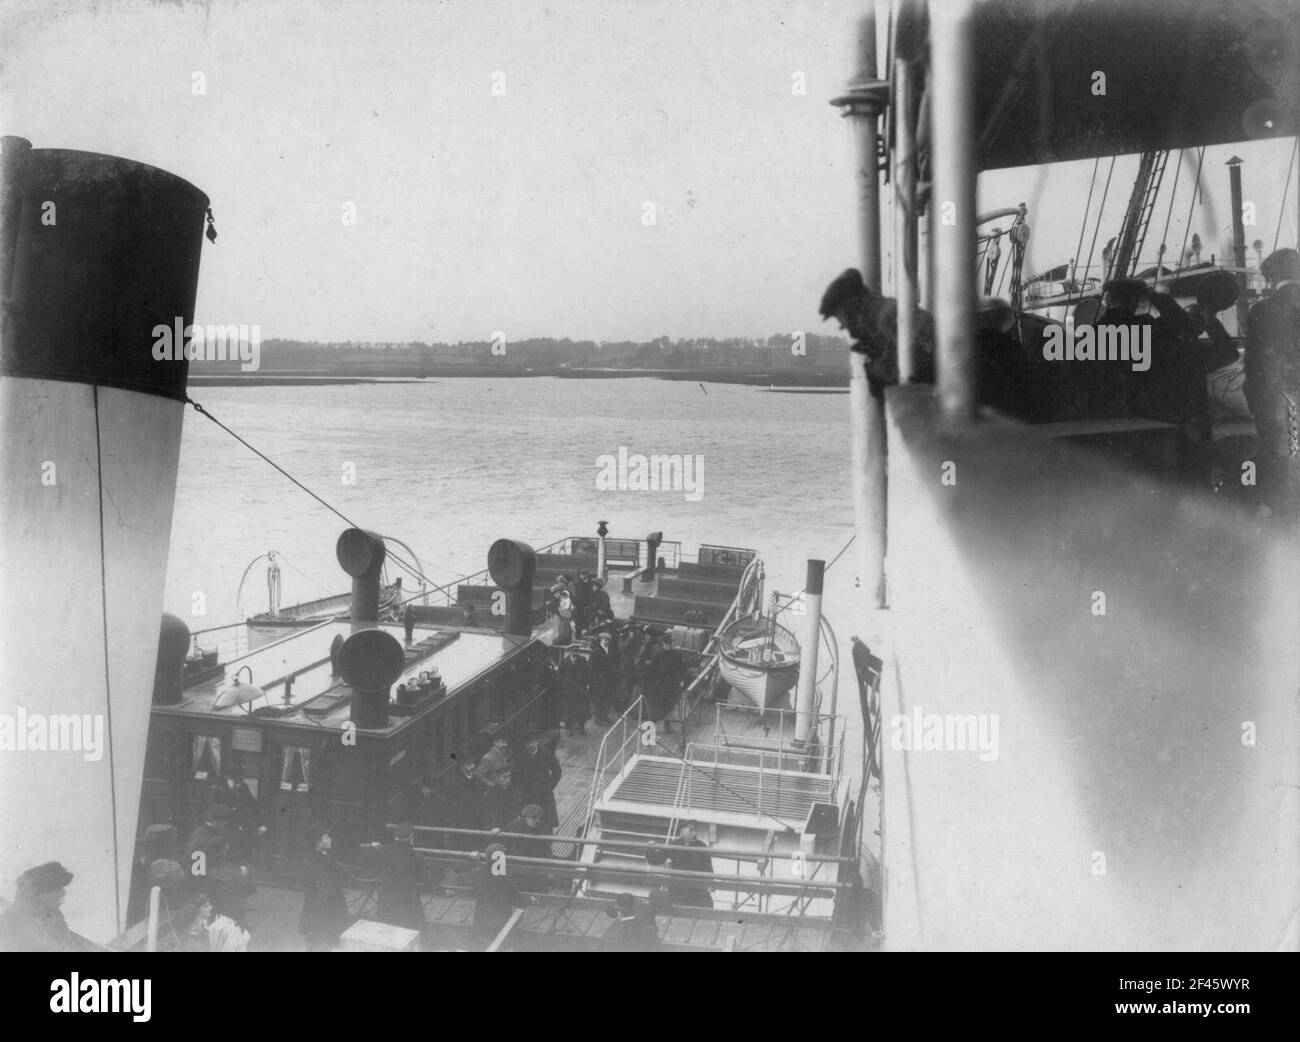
600 769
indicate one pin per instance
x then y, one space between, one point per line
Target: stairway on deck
625 827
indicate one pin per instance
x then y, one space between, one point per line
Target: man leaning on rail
872 321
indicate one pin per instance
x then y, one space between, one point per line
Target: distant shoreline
288 378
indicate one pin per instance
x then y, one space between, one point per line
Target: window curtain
289 756
211 746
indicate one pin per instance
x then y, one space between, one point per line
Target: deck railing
825 755
617 747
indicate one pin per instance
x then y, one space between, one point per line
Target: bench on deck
551 566
697 589
617 551
481 599
678 611
712 556
711 573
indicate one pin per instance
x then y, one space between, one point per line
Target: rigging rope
1083 228
1196 190
328 506
1096 228
1178 170
1285 188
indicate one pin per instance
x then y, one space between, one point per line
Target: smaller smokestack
602 530
370 661
806 698
361 555
512 565
169 676
652 542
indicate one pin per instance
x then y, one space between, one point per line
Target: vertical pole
151 936
1238 242
952 50
862 104
805 702
865 118
905 287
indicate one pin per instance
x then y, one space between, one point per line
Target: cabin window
206 756
295 768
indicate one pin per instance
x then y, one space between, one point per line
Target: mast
1238 243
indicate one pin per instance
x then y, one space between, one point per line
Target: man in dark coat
660 678
209 844
462 807
530 823
602 671
324 908
33 923
400 875
537 773
572 681
693 857
629 656
601 610
633 929
497 894
872 321
1273 382
231 790
501 800
581 593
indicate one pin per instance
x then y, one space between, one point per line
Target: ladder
1142 201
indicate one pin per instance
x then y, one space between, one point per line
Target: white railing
612 760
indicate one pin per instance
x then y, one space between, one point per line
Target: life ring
584 546
725 557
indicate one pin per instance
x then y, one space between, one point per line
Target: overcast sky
520 211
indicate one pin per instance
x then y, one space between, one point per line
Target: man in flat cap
33 923
693 857
1273 382
530 823
872 321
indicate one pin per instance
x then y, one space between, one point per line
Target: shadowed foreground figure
33 923
1273 382
633 929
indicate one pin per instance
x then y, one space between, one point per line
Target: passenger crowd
1188 343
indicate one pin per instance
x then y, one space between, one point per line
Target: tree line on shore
779 351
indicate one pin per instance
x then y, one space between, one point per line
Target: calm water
449 466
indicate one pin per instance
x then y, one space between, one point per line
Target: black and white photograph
651 476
